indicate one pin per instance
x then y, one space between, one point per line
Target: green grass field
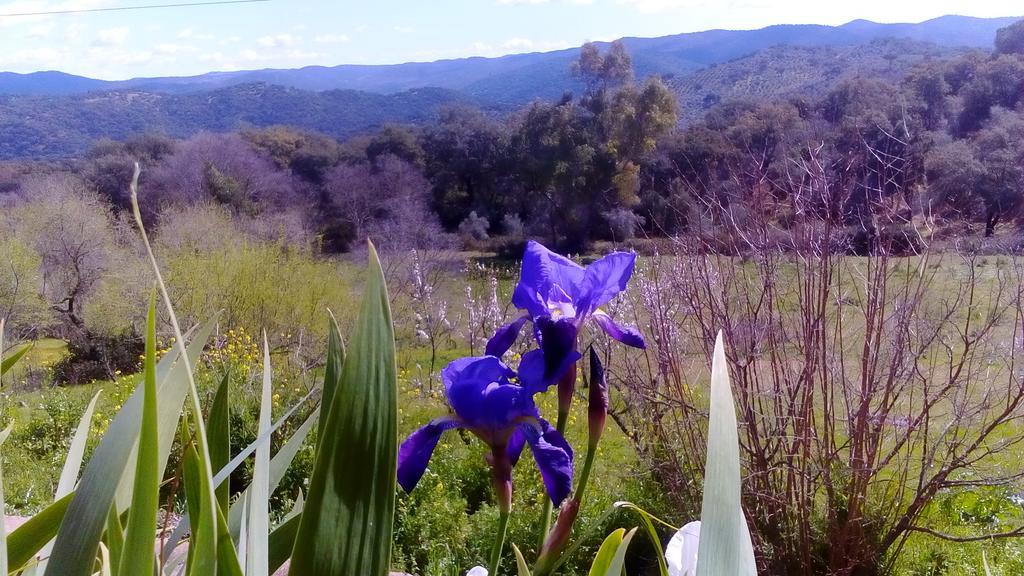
445 524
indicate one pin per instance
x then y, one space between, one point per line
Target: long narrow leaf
105 569
725 546
204 534
3 529
193 486
113 538
173 387
85 519
332 370
282 540
652 532
279 465
618 562
521 566
606 553
227 560
140 533
7 363
28 539
347 521
218 426
258 497
76 452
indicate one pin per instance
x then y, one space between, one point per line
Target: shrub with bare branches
866 387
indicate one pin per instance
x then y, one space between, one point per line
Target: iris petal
505 337
541 270
482 396
626 335
415 451
604 279
541 368
515 446
553 456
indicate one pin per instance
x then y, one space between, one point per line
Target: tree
1010 40
954 178
220 167
21 284
110 164
577 161
397 141
1000 147
603 71
467 160
73 233
386 201
306 154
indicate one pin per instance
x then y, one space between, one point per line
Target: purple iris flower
558 296
500 412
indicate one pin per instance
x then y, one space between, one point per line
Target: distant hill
55 126
48 83
799 70
52 114
510 81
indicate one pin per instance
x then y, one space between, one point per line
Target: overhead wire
126 8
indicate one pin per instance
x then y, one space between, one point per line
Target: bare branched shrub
386 201
73 233
866 386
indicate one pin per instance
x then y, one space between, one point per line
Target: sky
182 41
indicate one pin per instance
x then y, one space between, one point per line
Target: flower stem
501 476
566 388
588 464
499 542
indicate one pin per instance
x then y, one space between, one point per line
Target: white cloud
112 36
278 40
74 32
518 44
528 45
252 56
41 31
404 29
332 39
171 48
659 6
302 56
186 33
538 2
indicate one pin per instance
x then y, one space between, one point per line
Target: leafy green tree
1010 40
580 160
954 177
398 141
307 154
21 286
1001 150
468 163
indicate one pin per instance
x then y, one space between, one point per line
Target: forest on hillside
934 155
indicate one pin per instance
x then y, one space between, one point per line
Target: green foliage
725 546
21 282
1010 40
346 523
254 283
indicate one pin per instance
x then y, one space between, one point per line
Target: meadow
445 305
